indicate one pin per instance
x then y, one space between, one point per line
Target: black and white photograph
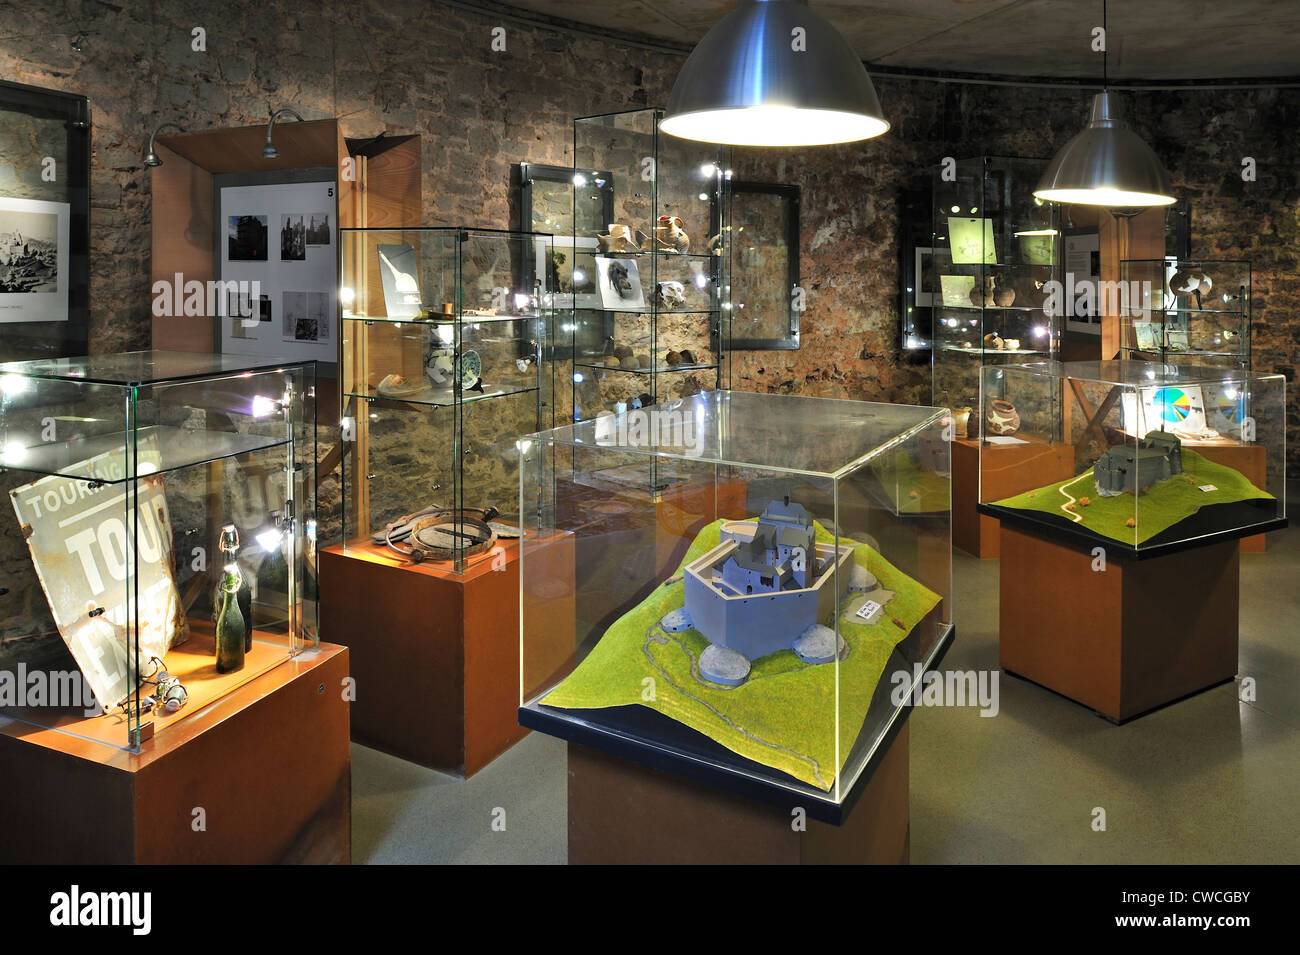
306 317
293 238
34 266
318 228
246 238
29 252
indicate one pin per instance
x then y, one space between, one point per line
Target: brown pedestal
435 654
1125 640
268 764
622 812
1008 470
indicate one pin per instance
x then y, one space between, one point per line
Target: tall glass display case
650 282
1164 456
1188 311
994 249
160 548
444 336
762 628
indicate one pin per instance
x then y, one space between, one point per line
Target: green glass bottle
229 545
231 630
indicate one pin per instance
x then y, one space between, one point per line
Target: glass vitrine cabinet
160 547
446 343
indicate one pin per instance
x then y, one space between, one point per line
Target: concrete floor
1207 780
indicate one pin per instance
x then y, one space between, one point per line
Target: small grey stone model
1129 469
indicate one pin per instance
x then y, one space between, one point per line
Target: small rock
1131 522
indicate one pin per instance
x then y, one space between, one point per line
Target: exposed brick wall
415 66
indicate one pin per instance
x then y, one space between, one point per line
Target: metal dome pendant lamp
1107 164
773 73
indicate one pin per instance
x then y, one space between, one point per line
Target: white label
1208 487
868 610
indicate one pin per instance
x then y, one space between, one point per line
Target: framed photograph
925 275
34 263
971 241
619 285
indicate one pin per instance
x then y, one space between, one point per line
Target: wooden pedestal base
622 812
260 776
1007 470
1123 641
435 654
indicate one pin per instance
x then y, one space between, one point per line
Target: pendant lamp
1107 164
773 73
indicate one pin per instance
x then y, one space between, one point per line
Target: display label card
868 610
82 541
1208 487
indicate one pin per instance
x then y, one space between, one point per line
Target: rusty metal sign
93 556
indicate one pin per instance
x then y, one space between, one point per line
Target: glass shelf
444 398
178 448
658 369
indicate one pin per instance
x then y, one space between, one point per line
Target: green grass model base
1157 509
784 716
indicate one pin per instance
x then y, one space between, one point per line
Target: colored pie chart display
1173 404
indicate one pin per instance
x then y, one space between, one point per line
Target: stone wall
415 66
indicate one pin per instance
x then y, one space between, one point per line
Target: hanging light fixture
1107 164
773 73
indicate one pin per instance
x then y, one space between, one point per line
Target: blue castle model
767 586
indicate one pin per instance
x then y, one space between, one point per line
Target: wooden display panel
623 813
268 764
436 654
1123 641
1005 470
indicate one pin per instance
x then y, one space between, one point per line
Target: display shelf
632 179
445 399
647 370
408 362
1172 309
994 249
178 448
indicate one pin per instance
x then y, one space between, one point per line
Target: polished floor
1207 780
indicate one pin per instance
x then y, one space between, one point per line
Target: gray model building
767 586
1129 469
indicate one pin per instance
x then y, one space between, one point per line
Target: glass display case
1160 456
444 336
1184 310
160 551
762 624
994 250
647 265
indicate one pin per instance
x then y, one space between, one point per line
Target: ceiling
1149 39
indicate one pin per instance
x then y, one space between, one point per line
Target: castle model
767 586
1126 469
